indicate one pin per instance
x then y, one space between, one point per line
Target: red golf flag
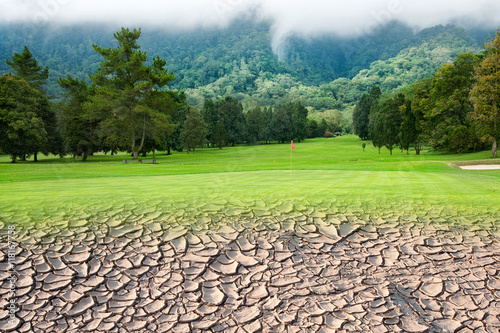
293 147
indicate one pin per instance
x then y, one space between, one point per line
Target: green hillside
437 46
239 60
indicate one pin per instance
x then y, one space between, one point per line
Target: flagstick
291 154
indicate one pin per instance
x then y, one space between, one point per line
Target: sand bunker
481 167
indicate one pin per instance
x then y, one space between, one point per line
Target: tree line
456 110
224 123
129 107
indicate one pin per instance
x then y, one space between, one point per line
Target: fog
303 18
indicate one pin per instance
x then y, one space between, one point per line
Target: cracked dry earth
290 273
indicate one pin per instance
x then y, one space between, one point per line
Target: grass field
331 175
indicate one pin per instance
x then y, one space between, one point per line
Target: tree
171 106
220 136
79 129
195 130
178 117
392 121
256 124
375 93
281 125
128 100
333 120
209 113
298 116
361 115
231 113
322 127
23 130
450 99
408 132
420 103
55 142
486 95
385 122
312 128
376 126
26 67
459 139
267 114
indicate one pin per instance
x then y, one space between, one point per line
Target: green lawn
329 175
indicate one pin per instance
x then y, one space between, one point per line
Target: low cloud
303 18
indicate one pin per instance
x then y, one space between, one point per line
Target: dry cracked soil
292 272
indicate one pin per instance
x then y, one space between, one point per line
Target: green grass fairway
332 175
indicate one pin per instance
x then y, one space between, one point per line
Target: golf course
334 175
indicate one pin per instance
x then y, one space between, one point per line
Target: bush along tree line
128 107
455 110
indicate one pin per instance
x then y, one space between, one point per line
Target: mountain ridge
241 59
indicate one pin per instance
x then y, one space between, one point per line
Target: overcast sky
302 17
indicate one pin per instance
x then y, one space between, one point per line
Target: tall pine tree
26 67
128 100
361 115
209 113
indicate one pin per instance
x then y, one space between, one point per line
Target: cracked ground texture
256 271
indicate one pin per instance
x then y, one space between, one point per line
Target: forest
323 73
226 87
456 109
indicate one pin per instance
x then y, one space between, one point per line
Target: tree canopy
30 125
195 130
26 67
360 117
22 127
78 128
128 100
486 95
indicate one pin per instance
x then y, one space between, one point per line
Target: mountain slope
239 60
438 46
